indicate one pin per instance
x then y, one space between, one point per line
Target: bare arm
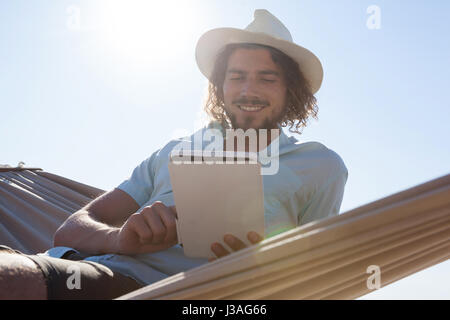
93 228
110 224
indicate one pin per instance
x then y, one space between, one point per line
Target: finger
168 219
219 250
155 223
139 226
233 242
254 237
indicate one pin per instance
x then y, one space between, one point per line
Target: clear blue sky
90 98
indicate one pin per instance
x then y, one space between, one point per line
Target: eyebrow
262 72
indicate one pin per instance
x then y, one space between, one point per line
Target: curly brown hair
300 102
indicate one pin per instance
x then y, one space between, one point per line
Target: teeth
250 108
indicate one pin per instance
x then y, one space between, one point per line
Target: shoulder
318 159
328 157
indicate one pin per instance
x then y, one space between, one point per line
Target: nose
249 87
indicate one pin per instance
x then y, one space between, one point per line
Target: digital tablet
216 194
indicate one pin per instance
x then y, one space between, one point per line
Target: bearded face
254 90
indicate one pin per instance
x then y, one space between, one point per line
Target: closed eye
266 80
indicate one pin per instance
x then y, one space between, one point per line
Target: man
126 238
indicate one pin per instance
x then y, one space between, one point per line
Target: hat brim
211 42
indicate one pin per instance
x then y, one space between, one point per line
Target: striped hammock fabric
335 258
34 203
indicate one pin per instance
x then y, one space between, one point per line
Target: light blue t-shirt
308 185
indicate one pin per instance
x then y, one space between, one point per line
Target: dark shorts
70 277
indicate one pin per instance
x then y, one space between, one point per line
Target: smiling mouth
250 108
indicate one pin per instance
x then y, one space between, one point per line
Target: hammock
34 203
327 259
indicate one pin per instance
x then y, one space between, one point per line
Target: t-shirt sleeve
327 201
140 184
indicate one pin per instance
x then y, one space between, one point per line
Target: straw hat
267 30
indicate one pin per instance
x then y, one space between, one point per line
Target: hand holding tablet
234 243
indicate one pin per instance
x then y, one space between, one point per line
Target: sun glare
147 31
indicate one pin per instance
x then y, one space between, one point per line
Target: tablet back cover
215 199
